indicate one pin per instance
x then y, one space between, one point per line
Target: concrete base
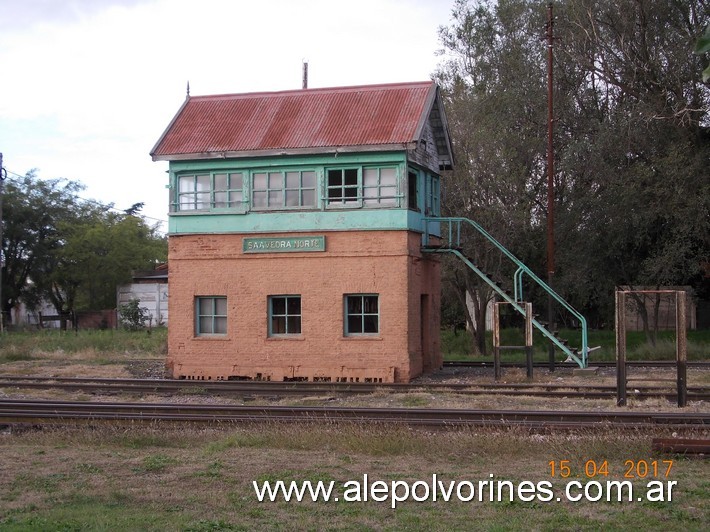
585 372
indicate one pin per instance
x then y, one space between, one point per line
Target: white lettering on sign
265 245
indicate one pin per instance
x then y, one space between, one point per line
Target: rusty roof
371 117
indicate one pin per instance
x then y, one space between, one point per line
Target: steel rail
17 411
257 388
703 364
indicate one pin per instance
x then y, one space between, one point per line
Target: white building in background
151 290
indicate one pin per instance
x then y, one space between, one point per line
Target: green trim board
297 222
298 244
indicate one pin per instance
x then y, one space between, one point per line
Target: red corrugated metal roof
369 115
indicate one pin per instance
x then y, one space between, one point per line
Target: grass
182 478
458 346
98 346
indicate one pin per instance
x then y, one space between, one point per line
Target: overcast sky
88 86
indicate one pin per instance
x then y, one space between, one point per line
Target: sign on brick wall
284 245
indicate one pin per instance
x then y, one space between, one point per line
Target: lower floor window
362 314
284 315
211 313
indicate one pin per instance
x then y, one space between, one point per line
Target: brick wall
388 263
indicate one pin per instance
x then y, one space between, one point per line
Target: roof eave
285 152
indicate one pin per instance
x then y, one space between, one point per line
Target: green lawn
181 478
458 346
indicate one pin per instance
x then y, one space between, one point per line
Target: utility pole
550 187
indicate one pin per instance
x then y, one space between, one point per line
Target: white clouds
89 89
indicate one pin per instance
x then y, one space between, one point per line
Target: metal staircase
443 235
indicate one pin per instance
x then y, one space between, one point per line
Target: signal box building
295 234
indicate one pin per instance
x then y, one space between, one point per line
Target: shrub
132 315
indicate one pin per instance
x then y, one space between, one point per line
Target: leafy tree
493 77
100 252
70 252
32 211
631 141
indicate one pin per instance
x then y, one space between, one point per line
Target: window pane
205 306
309 198
202 200
235 197
335 178
294 324
220 182
351 177
259 199
292 198
388 195
203 182
236 181
370 304
220 306
187 202
206 325
370 324
354 324
259 181
350 194
220 325
276 180
220 199
276 198
186 183
278 325
278 305
354 305
294 305
293 180
308 179
388 176
369 177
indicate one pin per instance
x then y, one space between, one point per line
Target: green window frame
210 190
362 314
433 195
284 315
413 190
379 186
343 186
283 189
210 315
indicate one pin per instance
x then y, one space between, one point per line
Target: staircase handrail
522 268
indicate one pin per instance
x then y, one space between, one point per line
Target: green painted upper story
367 191
353 158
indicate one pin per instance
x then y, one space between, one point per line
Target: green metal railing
450 242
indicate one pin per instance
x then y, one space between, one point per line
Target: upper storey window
249 190
278 190
210 191
343 186
362 186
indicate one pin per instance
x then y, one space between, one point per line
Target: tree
100 252
492 78
631 140
68 251
32 210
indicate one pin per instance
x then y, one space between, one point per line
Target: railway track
280 389
63 412
703 364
